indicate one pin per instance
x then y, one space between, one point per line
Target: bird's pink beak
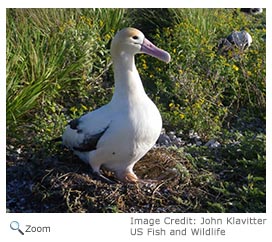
151 49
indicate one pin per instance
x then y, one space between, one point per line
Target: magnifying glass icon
14 225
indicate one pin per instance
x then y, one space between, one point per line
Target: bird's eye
135 37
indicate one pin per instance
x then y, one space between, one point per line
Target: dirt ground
64 184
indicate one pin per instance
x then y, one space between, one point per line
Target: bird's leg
97 174
101 177
128 177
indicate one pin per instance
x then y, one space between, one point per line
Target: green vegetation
59 67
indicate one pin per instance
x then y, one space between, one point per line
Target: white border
134 4
68 227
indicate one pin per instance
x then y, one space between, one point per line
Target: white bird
120 133
241 39
237 39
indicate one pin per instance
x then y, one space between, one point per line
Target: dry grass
64 184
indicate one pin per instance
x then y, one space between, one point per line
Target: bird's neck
128 84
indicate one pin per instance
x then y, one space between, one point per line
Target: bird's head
132 41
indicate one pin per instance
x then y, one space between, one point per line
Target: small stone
164 140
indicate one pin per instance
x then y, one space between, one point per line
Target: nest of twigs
65 184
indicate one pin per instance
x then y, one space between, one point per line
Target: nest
65 184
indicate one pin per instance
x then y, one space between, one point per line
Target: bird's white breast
132 132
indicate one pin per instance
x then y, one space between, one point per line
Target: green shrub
57 56
199 89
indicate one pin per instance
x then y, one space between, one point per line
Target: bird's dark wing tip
90 141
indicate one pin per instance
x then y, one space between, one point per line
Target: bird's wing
83 134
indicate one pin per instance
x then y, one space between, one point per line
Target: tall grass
200 89
58 58
49 49
201 18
